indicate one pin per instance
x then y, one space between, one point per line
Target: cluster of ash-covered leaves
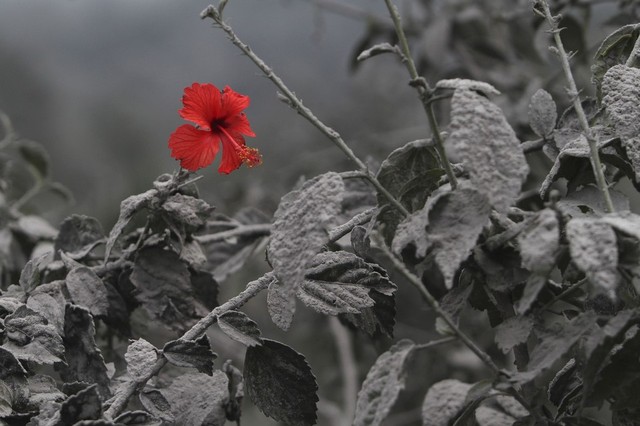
514 260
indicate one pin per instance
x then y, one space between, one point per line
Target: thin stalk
260 229
295 103
596 164
424 92
348 367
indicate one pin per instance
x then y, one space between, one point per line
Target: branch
129 389
348 368
424 92
295 103
340 231
596 164
259 230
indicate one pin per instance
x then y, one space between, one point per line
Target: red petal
231 159
233 103
239 124
193 147
202 104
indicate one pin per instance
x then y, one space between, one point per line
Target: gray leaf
625 222
382 385
280 383
240 328
542 113
589 200
594 250
299 230
443 402
621 98
190 211
465 84
339 282
84 360
512 332
554 344
128 207
197 399
31 338
76 232
487 416
539 242
141 357
281 304
488 147
449 225
191 353
87 290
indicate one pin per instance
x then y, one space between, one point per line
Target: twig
339 231
560 296
129 389
295 103
348 368
258 230
531 146
436 342
577 104
424 91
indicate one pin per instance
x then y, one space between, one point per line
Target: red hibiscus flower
219 118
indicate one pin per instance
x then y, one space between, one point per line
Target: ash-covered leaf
542 113
35 228
360 241
513 332
594 250
487 416
236 391
137 418
488 147
164 287
443 402
589 201
619 376
539 242
48 301
621 99
534 284
402 166
128 207
599 345
565 385
141 357
193 254
466 84
377 320
30 277
84 405
9 365
189 211
280 383
225 257
280 304
383 384
191 353
43 389
198 399
5 400
84 360
340 282
614 50
77 232
554 343
87 290
240 328
31 338
376 50
573 159
625 222
300 229
156 403
447 226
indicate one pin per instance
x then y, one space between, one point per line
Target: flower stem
294 102
596 164
424 92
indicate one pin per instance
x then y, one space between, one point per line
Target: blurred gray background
100 82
